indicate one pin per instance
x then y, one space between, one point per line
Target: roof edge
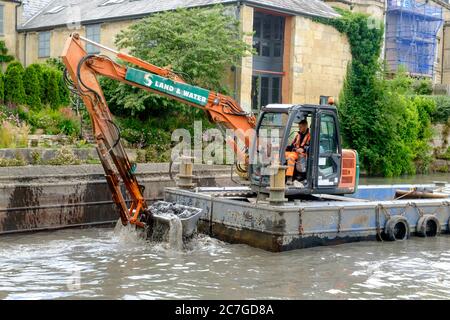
251 3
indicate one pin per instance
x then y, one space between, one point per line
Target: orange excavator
330 169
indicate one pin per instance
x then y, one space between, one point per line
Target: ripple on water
120 264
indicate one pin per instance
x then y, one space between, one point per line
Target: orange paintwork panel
349 169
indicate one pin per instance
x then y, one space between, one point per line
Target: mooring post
186 173
277 184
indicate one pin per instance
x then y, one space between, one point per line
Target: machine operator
297 154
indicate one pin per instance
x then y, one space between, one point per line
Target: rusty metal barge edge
304 224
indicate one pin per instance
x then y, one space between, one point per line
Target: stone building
297 61
10 11
293 63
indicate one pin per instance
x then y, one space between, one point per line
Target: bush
442 112
423 87
19 161
36 158
64 156
158 154
14 87
2 88
12 136
32 84
52 121
51 88
63 91
380 118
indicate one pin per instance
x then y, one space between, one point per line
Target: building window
269 35
266 89
2 23
44 44
93 33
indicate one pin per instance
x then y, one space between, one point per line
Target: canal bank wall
36 198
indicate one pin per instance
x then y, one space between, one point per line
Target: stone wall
246 68
9 26
320 56
440 143
46 197
441 137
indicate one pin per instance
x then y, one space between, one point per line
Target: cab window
328 135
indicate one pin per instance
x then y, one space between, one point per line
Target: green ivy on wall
380 118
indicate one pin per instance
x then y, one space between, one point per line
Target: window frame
257 78
94 36
272 40
2 20
44 46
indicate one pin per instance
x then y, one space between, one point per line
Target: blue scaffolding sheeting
411 36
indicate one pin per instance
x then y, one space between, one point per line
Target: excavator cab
326 168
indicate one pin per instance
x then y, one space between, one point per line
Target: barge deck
235 216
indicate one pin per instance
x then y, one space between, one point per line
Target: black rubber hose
118 133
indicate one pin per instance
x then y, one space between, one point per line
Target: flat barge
236 216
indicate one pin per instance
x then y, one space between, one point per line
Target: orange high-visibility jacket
302 140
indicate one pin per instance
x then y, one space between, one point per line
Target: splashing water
171 224
175 233
168 233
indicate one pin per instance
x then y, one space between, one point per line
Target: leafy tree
32 84
14 88
199 44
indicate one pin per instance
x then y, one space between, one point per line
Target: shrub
51 88
442 111
14 87
12 136
52 121
64 156
423 87
63 91
380 118
19 161
140 156
2 88
6 135
36 158
158 153
31 81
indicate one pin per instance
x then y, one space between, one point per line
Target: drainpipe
17 33
16 8
443 50
25 40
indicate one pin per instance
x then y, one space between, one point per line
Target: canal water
117 264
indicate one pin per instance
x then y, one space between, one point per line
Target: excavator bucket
163 217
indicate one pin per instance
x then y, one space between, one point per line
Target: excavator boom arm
82 72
